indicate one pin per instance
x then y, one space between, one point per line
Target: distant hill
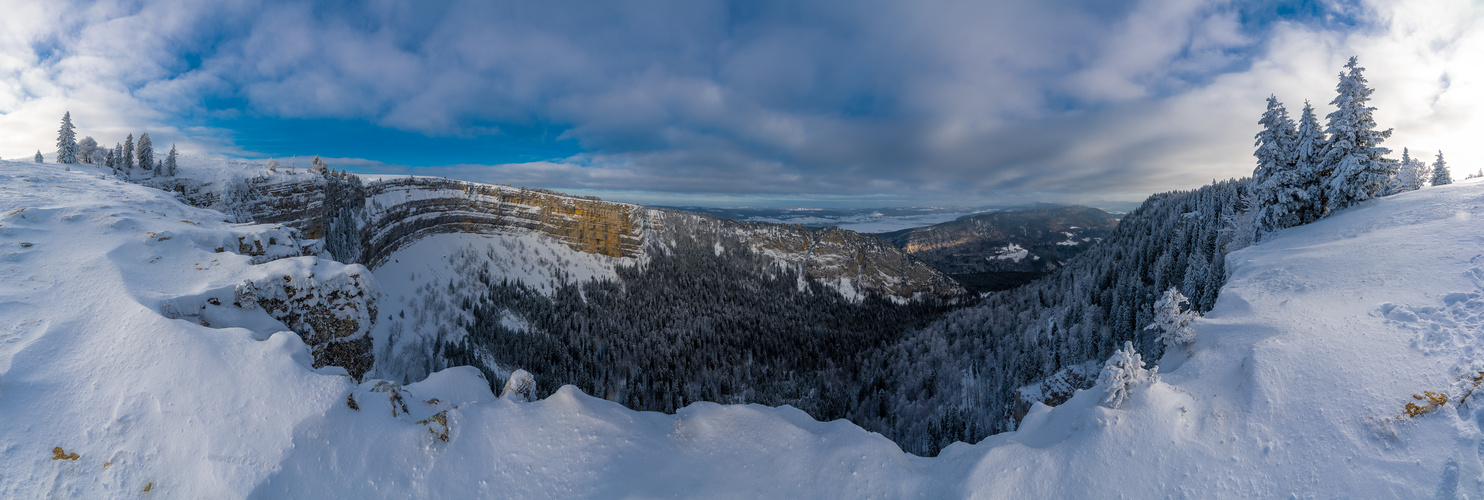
1000 250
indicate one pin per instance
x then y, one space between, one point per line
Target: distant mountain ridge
993 250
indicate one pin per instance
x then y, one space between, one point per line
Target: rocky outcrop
331 307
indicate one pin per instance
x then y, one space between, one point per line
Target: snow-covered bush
1123 371
1172 320
521 386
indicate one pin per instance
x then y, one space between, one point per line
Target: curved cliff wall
386 215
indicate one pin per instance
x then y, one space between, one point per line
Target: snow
1293 386
1011 252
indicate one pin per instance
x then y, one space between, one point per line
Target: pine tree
67 141
170 164
1309 148
146 152
1122 372
1172 320
129 155
1440 174
1274 142
38 157
1279 184
1355 164
318 166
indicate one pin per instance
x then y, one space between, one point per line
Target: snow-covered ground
1294 386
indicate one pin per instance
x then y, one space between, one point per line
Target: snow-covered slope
1293 387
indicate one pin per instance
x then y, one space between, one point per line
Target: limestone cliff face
391 213
402 210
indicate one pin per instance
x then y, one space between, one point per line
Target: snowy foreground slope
1293 386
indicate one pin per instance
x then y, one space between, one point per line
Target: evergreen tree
1440 174
1355 164
67 141
1173 321
1122 372
1309 148
129 155
38 157
170 164
318 166
108 160
1281 196
146 152
1410 175
1275 142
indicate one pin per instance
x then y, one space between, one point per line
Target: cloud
901 102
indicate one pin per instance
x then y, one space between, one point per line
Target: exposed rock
333 311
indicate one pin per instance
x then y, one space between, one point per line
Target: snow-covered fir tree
67 141
1122 372
1173 320
170 162
1309 148
1440 173
85 149
1281 195
318 166
146 152
1356 163
1241 224
128 154
272 165
1274 142
38 158
1411 174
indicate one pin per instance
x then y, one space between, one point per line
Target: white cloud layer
894 102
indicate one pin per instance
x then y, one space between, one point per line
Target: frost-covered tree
1122 371
1309 148
1440 173
38 157
98 157
108 161
272 165
1356 163
318 166
1410 175
521 387
128 153
1172 320
1280 192
146 152
1275 142
85 149
170 162
1241 224
67 141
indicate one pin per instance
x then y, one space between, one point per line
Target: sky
750 103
